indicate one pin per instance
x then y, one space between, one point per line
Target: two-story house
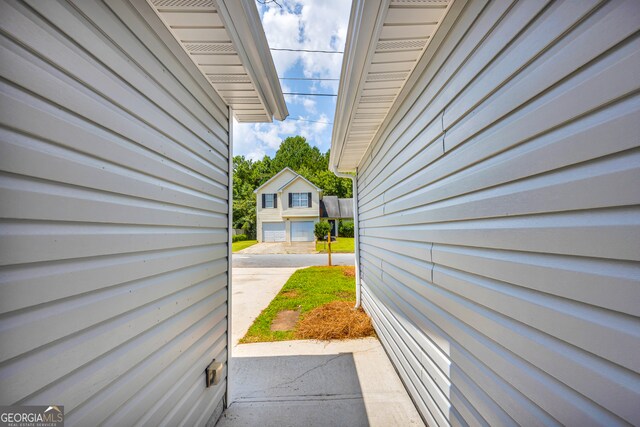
287 208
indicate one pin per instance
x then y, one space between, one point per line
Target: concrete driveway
281 248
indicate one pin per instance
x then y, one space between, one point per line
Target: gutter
356 228
365 22
242 22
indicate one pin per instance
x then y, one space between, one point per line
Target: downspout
356 228
229 258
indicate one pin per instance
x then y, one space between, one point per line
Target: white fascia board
274 177
242 22
298 176
365 23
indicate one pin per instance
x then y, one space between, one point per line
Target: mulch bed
336 320
349 271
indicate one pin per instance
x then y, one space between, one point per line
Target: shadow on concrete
311 390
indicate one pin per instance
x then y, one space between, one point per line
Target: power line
305 78
306 50
305 120
309 94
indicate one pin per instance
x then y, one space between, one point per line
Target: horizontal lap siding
114 175
500 224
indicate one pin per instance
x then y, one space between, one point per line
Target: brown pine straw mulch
349 271
336 320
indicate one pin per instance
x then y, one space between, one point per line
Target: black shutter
264 203
290 199
308 200
275 200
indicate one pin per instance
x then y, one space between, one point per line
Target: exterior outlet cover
213 373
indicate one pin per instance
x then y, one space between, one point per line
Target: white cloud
300 24
309 104
311 25
283 31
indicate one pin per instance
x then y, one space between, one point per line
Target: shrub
345 229
322 229
239 238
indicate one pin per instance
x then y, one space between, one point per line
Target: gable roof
297 175
333 207
346 208
296 178
274 177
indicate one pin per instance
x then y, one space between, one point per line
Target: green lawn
306 289
238 246
343 244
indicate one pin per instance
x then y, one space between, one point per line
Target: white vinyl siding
302 231
500 219
113 268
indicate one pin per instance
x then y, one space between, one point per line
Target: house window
300 200
269 201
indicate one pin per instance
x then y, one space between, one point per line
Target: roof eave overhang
365 22
366 26
242 22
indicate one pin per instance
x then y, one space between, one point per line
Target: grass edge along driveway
341 245
306 289
243 244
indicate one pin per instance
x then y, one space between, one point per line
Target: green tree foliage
295 153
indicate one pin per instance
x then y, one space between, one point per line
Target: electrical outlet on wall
213 373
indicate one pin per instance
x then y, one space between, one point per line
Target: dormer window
269 201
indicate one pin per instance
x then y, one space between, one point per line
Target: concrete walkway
307 383
252 290
281 248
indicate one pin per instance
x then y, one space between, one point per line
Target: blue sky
301 24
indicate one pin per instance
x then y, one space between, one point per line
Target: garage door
302 231
273 232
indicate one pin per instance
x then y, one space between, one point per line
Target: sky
300 24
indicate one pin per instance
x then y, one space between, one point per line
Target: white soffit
393 34
226 41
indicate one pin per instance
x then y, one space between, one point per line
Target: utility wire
305 78
306 50
305 120
309 94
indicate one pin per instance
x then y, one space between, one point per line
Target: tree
296 153
331 184
245 180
